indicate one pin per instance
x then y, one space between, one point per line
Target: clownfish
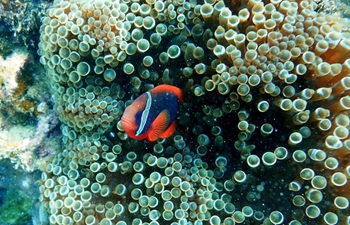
152 115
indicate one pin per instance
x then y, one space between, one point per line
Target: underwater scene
174 112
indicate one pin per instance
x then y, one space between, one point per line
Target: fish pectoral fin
159 125
168 132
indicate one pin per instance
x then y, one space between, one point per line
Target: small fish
152 115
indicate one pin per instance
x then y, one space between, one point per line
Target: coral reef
339 7
263 132
28 126
9 70
26 119
20 20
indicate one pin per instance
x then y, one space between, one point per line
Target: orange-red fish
152 115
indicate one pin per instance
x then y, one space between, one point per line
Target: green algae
16 209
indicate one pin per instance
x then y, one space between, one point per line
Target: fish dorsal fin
159 125
165 88
168 132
